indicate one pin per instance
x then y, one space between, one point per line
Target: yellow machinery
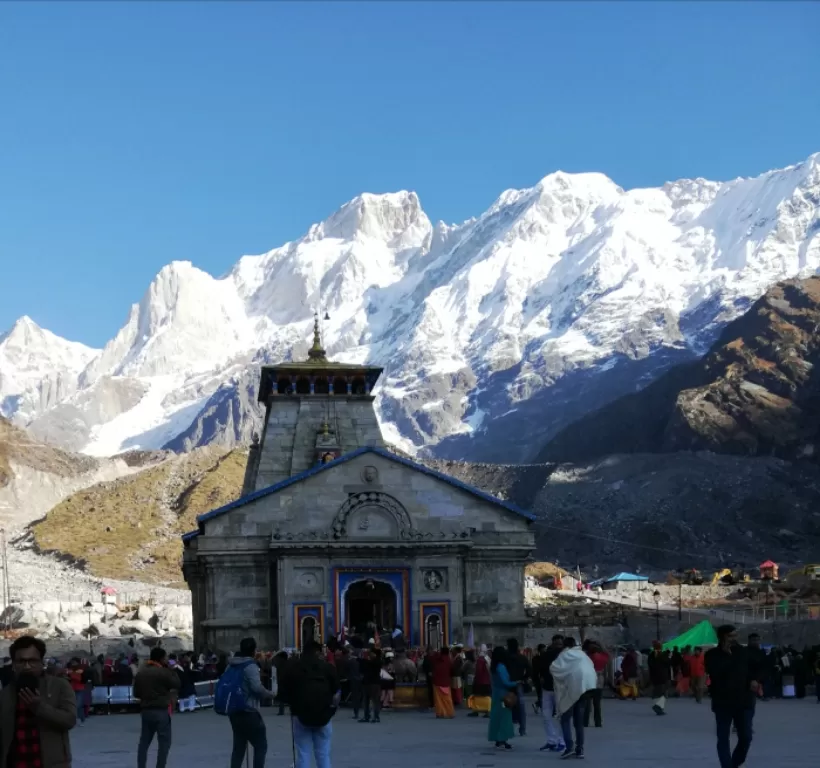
731 576
725 577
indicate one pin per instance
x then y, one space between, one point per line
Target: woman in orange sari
442 672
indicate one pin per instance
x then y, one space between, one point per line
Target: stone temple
334 531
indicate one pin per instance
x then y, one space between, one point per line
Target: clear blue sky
135 133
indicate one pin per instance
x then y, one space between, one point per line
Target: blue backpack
229 696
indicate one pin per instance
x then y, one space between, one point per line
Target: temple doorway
367 603
433 632
309 631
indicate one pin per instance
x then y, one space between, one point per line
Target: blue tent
619 577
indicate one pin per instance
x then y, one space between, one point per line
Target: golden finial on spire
316 352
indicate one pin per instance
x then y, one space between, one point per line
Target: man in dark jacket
545 692
520 671
36 711
280 662
156 687
247 726
371 669
312 689
734 682
660 675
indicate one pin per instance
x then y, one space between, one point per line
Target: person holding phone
36 711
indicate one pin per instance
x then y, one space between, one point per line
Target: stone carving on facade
433 580
370 474
380 501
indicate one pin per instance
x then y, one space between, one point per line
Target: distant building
769 570
622 582
335 532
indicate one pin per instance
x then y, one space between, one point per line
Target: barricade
204 692
104 698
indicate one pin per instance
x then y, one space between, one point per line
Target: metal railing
753 614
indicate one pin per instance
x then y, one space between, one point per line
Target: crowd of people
41 700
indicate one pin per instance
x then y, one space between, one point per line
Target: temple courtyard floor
632 736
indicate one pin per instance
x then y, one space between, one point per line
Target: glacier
494 333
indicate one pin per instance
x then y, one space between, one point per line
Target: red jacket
75 677
697 665
629 666
599 660
442 669
482 672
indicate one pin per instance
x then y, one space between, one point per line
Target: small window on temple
302 386
321 386
359 387
339 386
283 386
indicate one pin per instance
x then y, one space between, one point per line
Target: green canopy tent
701 634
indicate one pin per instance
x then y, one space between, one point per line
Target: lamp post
89 608
680 600
657 596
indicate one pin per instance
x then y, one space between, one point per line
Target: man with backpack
312 689
238 694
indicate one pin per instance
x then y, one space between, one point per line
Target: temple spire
317 352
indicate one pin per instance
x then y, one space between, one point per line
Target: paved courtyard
632 736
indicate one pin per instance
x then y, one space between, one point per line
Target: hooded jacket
252 682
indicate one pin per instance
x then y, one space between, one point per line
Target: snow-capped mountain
38 369
494 333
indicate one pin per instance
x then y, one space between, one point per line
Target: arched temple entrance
370 602
308 631
433 632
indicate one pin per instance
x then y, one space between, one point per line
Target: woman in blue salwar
500 728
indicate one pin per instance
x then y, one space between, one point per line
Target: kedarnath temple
333 532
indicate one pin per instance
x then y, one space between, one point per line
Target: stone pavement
632 737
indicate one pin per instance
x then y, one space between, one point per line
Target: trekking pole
292 741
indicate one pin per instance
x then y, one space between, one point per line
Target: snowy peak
473 321
385 217
28 347
187 321
37 365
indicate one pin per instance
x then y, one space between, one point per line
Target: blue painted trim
262 492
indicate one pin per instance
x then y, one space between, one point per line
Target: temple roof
317 363
262 492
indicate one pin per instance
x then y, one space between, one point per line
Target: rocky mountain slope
652 511
34 476
663 511
130 528
551 303
756 393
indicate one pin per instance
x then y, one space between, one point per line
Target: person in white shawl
573 675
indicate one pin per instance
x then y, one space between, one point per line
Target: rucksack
313 703
229 696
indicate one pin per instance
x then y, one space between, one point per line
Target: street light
89 608
657 596
680 600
